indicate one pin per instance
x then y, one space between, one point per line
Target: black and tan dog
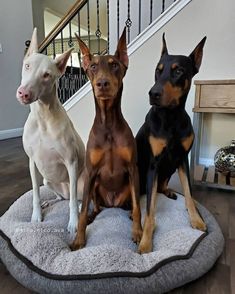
111 170
166 137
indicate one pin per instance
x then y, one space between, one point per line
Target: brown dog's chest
111 158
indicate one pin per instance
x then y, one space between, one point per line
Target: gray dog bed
38 255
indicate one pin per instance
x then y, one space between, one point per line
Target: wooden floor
15 180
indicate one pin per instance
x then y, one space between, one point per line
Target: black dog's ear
164 47
196 55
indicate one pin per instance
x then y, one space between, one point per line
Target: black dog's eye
93 66
178 71
158 70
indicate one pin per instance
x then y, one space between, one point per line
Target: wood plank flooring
15 180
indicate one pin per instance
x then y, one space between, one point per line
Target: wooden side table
212 96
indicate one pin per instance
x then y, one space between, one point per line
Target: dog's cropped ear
86 55
164 47
121 51
61 61
33 47
196 55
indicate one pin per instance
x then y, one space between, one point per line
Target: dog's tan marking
174 65
171 94
160 66
125 153
157 145
96 155
187 142
110 60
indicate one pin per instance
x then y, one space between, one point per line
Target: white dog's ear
33 47
61 61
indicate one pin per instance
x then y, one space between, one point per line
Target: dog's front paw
145 246
77 244
137 235
198 223
72 225
36 216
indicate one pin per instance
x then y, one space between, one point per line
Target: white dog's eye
26 66
46 75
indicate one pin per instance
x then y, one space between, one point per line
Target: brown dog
111 172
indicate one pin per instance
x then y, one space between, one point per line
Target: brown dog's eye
114 65
26 66
93 66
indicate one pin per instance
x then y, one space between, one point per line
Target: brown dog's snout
102 84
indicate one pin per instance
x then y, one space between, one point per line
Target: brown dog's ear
196 55
121 51
164 47
86 55
33 47
62 60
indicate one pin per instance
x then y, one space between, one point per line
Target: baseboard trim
156 25
11 133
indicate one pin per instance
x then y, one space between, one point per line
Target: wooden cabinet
212 96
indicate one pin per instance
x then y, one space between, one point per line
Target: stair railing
99 24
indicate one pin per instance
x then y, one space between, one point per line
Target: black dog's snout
153 93
102 84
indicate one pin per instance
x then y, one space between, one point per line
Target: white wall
16 27
213 18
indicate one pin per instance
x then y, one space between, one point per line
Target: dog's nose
154 94
102 84
24 94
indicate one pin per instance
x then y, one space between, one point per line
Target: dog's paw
145 247
36 216
72 225
198 223
76 245
137 235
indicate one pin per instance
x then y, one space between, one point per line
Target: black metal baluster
98 32
88 24
108 26
79 54
163 6
53 45
62 41
151 11
139 16
70 43
118 15
128 21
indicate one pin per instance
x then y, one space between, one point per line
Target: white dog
54 148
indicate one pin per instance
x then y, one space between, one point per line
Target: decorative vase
225 159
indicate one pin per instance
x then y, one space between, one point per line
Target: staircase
99 23
145 24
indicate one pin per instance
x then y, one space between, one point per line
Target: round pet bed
39 257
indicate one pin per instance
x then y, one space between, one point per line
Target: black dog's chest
170 136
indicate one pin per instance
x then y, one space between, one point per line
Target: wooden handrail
62 23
